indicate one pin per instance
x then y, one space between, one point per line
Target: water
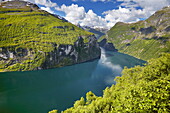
44 90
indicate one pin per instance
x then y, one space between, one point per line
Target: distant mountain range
97 31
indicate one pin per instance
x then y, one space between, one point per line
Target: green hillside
31 33
140 90
144 39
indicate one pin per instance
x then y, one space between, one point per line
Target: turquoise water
43 90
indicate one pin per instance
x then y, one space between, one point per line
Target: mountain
98 32
32 39
145 39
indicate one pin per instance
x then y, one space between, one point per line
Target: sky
101 13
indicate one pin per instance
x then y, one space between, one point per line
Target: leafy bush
139 90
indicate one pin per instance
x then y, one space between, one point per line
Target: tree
142 89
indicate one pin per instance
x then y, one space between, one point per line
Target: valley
51 64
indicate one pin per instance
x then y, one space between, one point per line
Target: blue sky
98 7
101 13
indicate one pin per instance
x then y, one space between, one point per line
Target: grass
36 32
128 39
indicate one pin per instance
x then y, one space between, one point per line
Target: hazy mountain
98 32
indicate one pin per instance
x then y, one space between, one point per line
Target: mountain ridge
33 39
144 39
98 32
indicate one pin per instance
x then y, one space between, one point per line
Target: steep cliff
32 39
107 46
144 39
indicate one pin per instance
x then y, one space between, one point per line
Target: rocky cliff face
33 39
144 39
107 46
72 54
20 58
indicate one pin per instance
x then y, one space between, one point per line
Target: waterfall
105 69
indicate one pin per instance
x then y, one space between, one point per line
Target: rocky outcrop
72 54
107 46
62 55
148 30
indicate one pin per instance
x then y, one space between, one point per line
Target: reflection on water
44 90
106 70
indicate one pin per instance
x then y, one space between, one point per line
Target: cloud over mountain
93 20
124 11
123 15
134 10
74 13
128 11
78 15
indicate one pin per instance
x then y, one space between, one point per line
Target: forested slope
142 89
145 39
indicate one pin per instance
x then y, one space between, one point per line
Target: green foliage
139 90
53 111
80 102
36 32
144 39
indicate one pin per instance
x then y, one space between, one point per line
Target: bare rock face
73 54
107 46
63 55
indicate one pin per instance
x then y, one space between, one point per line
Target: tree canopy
142 89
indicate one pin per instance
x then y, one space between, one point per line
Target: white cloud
93 20
127 11
123 15
46 3
130 13
78 15
149 5
48 9
74 13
